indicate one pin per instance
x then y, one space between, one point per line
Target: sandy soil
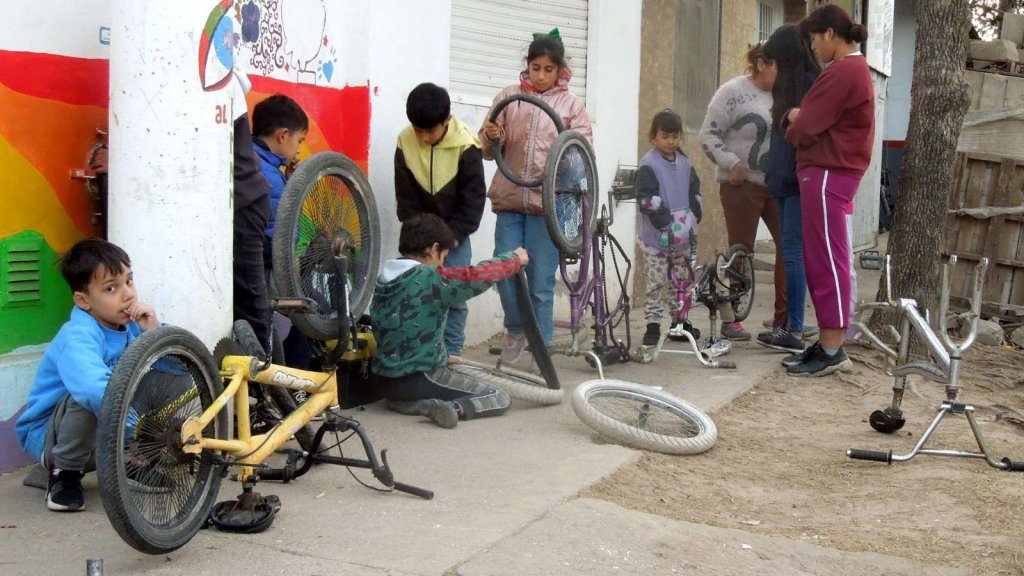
779 467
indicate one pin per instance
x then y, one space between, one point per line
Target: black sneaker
653 334
262 420
676 330
816 363
779 339
64 491
794 359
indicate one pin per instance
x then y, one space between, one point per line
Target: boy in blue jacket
279 127
58 425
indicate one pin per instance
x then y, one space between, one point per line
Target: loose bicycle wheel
642 417
327 208
281 402
155 495
570 192
516 383
499 158
740 280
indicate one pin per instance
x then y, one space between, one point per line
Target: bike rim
574 183
332 216
645 413
162 488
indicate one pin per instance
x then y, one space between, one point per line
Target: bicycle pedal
871 260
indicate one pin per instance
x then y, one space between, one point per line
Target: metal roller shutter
490 38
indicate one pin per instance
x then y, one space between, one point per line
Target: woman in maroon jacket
832 132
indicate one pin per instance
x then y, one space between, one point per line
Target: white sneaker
719 348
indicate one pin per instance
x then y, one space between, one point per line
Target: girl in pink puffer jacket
526 135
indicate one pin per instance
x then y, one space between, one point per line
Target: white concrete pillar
170 202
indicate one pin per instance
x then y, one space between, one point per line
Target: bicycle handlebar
421 492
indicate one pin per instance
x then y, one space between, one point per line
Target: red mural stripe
343 114
75 81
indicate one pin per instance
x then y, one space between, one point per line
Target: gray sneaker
441 412
779 339
817 363
734 331
513 347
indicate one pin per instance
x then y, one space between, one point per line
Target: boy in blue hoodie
58 425
279 127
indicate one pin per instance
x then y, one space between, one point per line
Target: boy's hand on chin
144 315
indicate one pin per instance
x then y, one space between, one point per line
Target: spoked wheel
327 207
516 383
281 402
570 192
739 280
642 417
155 495
499 158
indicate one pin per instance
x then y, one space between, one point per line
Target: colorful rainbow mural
51 107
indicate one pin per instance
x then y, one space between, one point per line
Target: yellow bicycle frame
249 449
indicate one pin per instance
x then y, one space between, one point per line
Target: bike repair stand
951 405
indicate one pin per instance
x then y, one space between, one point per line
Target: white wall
422 56
897 112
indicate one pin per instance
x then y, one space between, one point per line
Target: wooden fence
986 219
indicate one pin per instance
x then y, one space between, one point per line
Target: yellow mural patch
30 203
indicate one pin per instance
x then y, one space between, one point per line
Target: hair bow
554 34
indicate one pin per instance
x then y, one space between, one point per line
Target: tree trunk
939 100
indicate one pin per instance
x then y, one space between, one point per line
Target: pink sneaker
734 331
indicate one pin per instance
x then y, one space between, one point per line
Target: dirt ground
779 467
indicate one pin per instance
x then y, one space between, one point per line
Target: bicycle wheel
327 208
155 495
499 158
642 417
281 402
516 383
570 192
740 281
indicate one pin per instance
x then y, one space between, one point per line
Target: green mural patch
34 299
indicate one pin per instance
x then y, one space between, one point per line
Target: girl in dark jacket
797 70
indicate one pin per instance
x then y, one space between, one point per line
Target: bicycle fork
953 353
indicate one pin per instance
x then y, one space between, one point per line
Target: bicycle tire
531 328
742 305
281 401
642 417
499 158
156 496
570 192
516 383
327 205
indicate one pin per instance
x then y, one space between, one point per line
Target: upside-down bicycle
163 442
726 281
942 365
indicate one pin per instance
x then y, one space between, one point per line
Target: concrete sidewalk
505 501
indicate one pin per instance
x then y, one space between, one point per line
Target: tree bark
939 100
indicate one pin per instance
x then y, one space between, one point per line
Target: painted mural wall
54 97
